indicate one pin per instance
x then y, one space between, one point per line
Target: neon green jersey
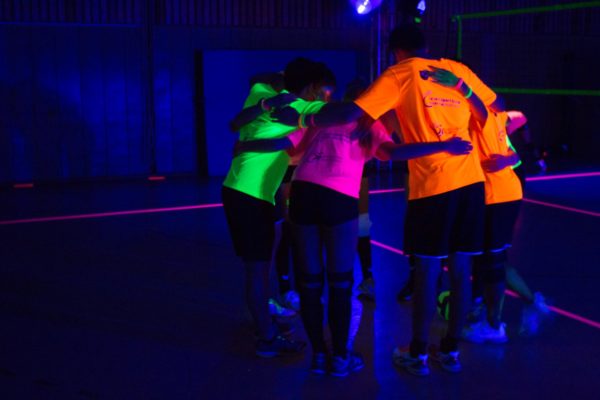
260 174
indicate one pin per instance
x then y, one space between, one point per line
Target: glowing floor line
108 214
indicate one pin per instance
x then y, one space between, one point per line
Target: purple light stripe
562 176
108 214
565 208
388 248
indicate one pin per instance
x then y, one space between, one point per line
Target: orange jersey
504 185
429 112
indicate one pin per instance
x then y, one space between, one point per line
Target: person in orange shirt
503 194
446 195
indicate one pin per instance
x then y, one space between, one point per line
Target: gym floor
131 290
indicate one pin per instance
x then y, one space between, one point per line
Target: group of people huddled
463 200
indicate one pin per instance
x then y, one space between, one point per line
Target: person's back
429 112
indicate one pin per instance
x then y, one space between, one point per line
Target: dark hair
298 74
355 89
407 37
323 75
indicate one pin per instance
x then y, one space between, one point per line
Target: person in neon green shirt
249 189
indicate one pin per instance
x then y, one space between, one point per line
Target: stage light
414 9
364 7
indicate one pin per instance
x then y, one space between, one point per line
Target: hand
457 146
496 162
443 77
280 100
286 116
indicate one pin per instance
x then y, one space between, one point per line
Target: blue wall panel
226 77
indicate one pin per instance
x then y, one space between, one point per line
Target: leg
515 282
427 271
459 266
257 297
494 278
340 242
308 243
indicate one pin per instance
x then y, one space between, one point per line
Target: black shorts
500 221
251 224
447 223
312 204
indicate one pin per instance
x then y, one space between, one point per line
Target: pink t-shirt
334 158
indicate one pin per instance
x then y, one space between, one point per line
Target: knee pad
364 225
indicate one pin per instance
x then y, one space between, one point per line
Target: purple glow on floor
563 176
23 185
108 214
565 208
156 178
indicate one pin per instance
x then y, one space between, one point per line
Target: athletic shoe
481 332
278 346
414 365
341 366
277 310
319 364
448 361
291 300
406 292
366 289
532 315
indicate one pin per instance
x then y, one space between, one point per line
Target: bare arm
393 151
249 114
330 115
448 79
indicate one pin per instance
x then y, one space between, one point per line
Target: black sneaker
319 364
278 346
341 366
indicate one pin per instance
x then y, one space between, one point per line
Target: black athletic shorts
447 223
251 224
312 204
500 221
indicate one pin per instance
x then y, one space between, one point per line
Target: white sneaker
481 332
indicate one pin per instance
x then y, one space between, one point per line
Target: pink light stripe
565 208
381 191
388 248
562 176
108 214
564 313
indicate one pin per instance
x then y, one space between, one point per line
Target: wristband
458 84
469 94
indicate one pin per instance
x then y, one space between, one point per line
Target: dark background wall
94 89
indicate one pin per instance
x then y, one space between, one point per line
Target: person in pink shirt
324 213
